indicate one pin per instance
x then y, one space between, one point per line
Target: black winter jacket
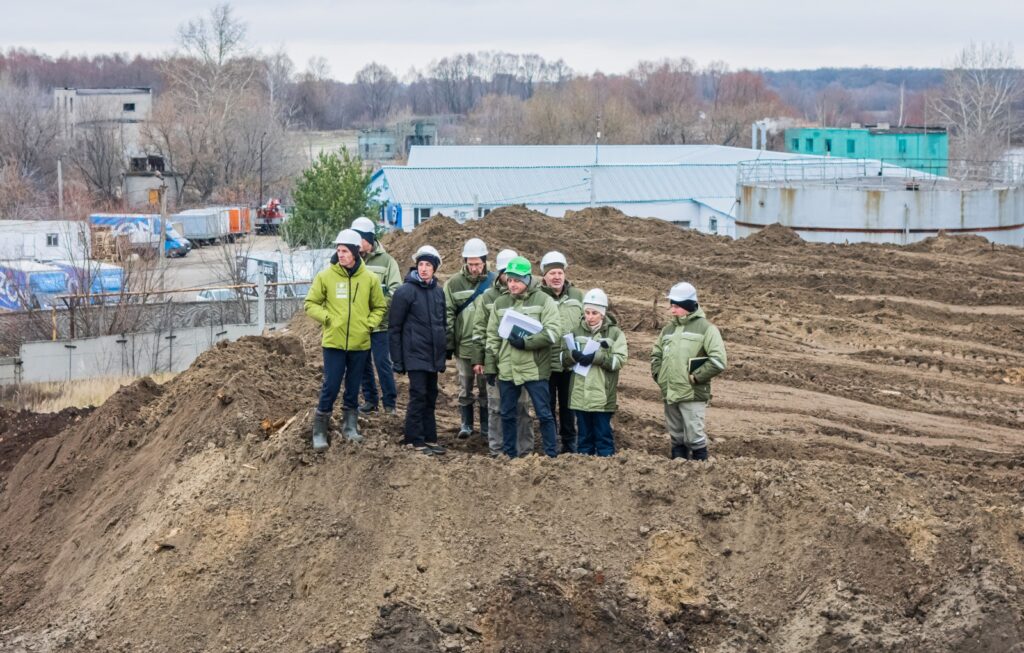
418 325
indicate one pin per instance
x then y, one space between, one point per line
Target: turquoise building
920 148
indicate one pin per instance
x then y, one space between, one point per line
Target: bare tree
29 134
377 86
98 154
977 101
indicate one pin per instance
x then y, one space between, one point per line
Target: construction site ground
865 490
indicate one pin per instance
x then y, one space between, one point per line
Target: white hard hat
596 297
553 258
364 224
427 250
682 291
349 237
504 256
474 248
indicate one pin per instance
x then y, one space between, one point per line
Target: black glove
517 341
605 344
398 369
449 354
576 355
584 359
491 378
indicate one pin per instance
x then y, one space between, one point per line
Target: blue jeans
341 364
539 395
381 349
595 433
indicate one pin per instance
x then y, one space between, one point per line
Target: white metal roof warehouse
689 185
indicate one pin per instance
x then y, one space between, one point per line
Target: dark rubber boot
321 427
350 427
700 454
366 408
466 429
483 422
680 451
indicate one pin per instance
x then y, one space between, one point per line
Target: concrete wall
136 354
824 214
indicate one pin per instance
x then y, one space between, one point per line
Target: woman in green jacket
592 396
346 299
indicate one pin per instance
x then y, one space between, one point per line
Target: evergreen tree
332 193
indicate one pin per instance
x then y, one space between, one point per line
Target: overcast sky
590 35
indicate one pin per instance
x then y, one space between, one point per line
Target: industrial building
124 108
394 142
693 186
841 200
44 240
920 148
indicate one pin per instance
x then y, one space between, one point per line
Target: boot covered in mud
321 429
350 426
466 429
700 454
680 451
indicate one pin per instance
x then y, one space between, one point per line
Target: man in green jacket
386 268
460 293
593 394
689 352
570 308
520 359
492 425
347 301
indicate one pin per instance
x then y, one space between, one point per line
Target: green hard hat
519 267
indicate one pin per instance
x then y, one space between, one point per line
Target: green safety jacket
386 268
482 312
534 362
685 338
457 291
596 392
570 305
348 306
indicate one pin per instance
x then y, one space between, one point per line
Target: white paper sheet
591 346
513 318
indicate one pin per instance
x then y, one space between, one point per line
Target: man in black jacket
417 333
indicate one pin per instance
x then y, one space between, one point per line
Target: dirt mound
945 242
19 430
864 490
774 235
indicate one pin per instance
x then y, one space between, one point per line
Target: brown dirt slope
864 494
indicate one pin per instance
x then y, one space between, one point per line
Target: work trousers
538 391
595 428
341 365
381 351
558 387
524 423
467 380
420 425
685 421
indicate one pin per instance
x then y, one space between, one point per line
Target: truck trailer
29 285
93 278
143 232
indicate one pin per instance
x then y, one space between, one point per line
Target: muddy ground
19 430
865 493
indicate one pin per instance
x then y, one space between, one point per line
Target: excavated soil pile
865 489
19 430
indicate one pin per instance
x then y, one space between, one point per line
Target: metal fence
874 173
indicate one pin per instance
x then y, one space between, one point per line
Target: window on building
420 214
713 225
129 107
901 145
851 146
828 144
481 212
796 144
52 240
809 144
387 147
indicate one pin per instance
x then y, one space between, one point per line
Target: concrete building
693 186
838 200
389 143
920 148
126 108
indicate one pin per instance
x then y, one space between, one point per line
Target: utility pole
163 223
260 205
